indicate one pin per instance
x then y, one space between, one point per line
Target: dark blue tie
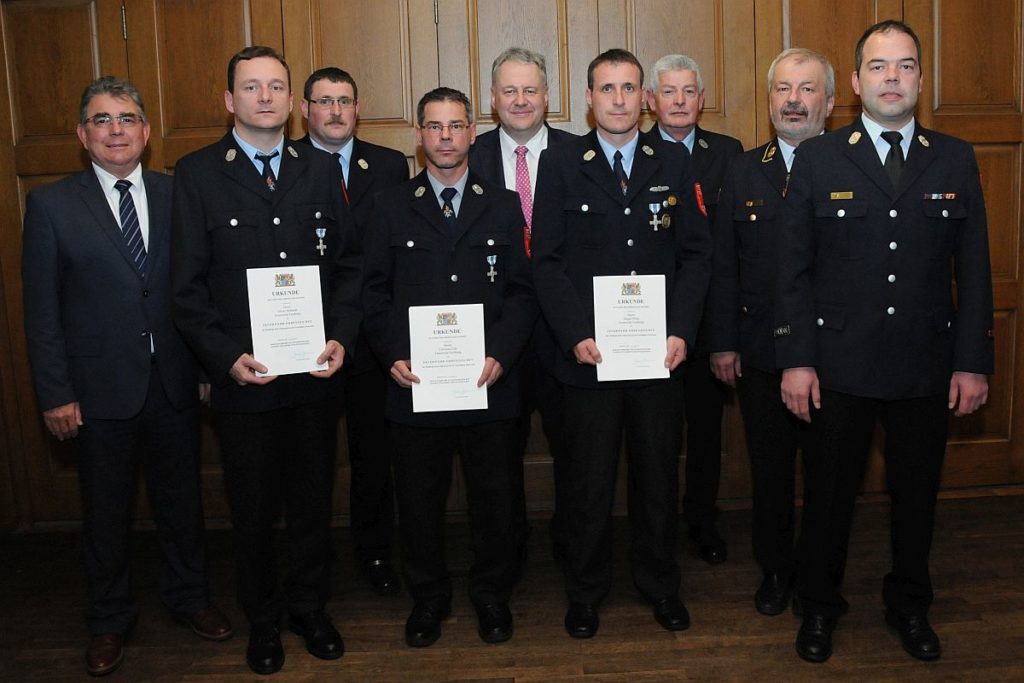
620 172
130 229
268 170
448 209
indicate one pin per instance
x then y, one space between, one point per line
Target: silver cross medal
654 208
321 247
491 260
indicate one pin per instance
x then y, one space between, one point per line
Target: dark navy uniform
584 226
865 296
541 391
413 260
372 168
740 318
704 396
277 440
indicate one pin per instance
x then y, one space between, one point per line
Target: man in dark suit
879 216
449 237
110 369
801 92
508 156
257 200
675 93
608 204
330 105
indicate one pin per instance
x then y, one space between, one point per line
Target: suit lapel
773 165
159 217
597 168
644 166
426 204
861 151
472 206
359 179
492 156
700 156
918 160
96 202
294 162
241 169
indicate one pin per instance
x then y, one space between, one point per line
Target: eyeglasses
454 128
328 102
106 120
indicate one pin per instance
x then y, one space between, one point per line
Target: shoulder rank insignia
362 164
703 143
291 150
478 189
647 150
923 140
420 191
230 156
854 137
589 154
769 154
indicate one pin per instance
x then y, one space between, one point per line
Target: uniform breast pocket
492 255
317 232
839 222
943 218
584 222
750 221
413 257
235 238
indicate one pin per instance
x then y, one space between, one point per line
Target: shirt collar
107 180
250 151
875 130
628 151
534 146
459 185
688 140
345 151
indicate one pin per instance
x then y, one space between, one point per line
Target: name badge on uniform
655 208
491 260
320 246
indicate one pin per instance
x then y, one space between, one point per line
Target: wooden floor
977 564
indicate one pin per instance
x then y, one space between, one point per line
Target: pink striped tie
525 194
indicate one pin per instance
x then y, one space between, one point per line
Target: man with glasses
112 372
256 199
330 105
449 237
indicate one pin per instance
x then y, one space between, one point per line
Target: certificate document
287 318
447 348
630 327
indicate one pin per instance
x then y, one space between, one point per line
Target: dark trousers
773 438
704 400
595 420
283 456
163 441
371 492
423 475
543 393
839 438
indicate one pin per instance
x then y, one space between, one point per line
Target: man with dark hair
508 155
112 372
330 106
608 204
675 93
449 237
801 92
880 215
256 199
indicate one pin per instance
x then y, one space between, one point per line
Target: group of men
818 284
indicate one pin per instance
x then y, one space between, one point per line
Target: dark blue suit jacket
485 154
89 314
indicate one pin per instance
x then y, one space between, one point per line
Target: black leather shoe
264 655
382 577
671 613
322 639
814 639
916 635
423 627
581 620
772 596
710 546
494 622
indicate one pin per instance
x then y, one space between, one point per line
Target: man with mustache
675 93
449 237
508 155
801 92
880 215
330 105
593 217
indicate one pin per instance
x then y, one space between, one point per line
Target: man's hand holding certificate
447 348
630 339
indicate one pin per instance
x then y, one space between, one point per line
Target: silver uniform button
318 215
890 310
632 272
820 321
585 207
945 213
233 222
455 278
277 221
629 243
841 212
627 211
410 243
283 255
490 243
892 278
892 246
893 213
949 324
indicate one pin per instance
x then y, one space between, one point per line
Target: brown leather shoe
210 623
104 654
